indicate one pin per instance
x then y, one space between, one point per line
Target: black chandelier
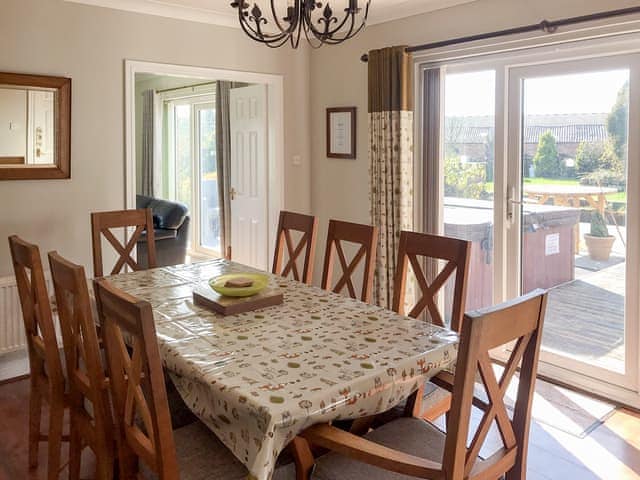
318 22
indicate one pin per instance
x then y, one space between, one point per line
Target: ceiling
219 12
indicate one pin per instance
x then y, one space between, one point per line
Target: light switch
297 160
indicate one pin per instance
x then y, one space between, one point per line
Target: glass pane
183 155
210 212
574 212
468 177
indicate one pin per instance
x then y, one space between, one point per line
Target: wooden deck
585 318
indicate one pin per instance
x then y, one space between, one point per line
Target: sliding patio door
530 158
572 211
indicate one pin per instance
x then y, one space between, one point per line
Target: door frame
524 52
516 76
275 127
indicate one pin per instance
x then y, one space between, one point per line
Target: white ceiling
219 12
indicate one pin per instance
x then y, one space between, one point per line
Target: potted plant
599 242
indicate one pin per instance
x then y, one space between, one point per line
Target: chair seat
409 435
201 456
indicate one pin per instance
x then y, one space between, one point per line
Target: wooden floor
611 451
585 318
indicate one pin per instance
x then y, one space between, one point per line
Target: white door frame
275 126
503 62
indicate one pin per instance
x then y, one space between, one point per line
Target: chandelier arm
257 36
292 24
327 22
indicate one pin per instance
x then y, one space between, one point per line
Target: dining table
258 379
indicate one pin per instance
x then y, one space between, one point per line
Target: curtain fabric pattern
391 159
223 159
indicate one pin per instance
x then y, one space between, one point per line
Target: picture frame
341 132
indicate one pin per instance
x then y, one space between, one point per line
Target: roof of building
566 128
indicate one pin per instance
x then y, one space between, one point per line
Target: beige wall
339 188
90 44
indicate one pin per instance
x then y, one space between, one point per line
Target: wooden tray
206 297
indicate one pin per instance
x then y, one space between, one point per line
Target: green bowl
260 281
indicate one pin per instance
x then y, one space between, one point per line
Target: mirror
35 127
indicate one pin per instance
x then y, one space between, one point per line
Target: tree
618 122
546 161
588 156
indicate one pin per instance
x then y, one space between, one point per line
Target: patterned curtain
391 159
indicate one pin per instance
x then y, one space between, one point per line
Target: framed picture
341 132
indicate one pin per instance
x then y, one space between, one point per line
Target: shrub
466 180
604 178
546 161
588 157
598 225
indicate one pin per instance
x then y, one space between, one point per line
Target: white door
249 202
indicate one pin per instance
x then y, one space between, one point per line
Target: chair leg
35 413
75 452
56 419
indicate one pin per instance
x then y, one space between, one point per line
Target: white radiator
12 336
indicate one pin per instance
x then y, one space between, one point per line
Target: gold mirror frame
62 124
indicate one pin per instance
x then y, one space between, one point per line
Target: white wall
339 188
13 123
90 44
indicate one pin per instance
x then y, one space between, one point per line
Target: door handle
511 201
232 193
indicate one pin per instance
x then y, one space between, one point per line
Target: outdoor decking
585 318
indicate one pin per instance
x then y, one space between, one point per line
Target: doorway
537 155
186 168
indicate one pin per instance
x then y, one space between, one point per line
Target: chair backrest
101 225
416 246
308 226
85 371
44 357
136 381
519 321
366 237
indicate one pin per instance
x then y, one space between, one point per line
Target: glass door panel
569 124
206 151
468 155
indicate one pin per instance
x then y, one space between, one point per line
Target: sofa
171 229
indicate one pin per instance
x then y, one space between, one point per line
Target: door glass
183 156
574 159
209 211
469 132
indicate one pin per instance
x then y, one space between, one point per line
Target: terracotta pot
599 247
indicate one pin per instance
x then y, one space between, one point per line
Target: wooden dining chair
101 225
414 248
415 447
308 226
144 436
90 413
46 376
366 237
430 402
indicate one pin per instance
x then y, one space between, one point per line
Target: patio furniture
258 379
568 195
307 225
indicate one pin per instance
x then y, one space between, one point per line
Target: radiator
12 336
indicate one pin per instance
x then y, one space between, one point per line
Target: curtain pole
545 26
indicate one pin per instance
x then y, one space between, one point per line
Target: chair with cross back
307 225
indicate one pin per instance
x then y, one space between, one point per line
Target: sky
595 92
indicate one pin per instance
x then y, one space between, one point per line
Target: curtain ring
547 27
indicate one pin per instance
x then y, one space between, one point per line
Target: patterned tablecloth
258 379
